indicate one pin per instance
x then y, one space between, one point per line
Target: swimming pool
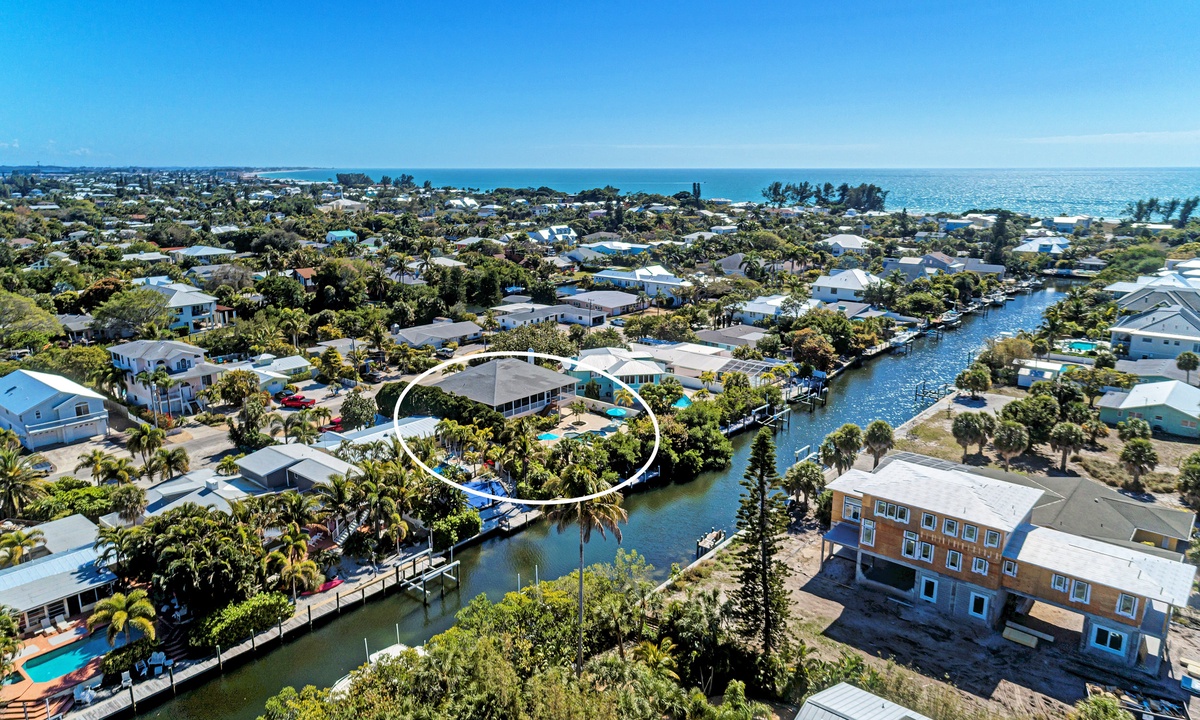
547 436
68 658
1082 346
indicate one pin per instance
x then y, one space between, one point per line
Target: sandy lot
832 616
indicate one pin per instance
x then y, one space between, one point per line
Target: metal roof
42 581
23 390
846 702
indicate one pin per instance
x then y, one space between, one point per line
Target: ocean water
1099 192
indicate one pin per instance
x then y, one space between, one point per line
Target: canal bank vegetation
704 654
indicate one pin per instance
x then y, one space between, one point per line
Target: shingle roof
505 380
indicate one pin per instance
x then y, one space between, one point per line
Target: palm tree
144 440
94 461
623 397
707 378
337 498
295 573
15 545
293 321
173 462
120 470
130 503
602 514
10 439
228 465
879 438
660 658
124 613
20 482
110 378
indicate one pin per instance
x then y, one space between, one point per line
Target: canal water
664 525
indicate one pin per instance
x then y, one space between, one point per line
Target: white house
839 245
652 280
202 254
191 308
186 366
1069 223
44 409
1043 246
1160 333
770 307
843 285
553 234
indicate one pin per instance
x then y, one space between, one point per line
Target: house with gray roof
437 334
280 467
1163 332
185 364
512 387
66 579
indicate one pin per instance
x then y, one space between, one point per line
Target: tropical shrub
236 622
453 528
125 657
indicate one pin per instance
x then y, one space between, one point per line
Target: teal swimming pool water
67 659
1082 346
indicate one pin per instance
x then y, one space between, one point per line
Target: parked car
446 353
335 425
297 401
619 322
372 376
284 393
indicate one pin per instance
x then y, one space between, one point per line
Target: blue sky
573 84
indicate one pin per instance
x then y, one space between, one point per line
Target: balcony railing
66 422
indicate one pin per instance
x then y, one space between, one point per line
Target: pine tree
760 603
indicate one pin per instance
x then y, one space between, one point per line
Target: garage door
80 432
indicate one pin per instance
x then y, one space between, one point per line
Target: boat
391 651
902 338
997 300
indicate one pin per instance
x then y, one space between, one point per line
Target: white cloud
80 152
15 145
1125 138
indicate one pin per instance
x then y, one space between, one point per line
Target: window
1010 568
979 606
991 539
1081 592
37 414
868 533
980 566
926 552
954 560
970 533
1188 423
928 521
1108 640
891 511
1059 583
851 510
81 409
950 527
909 547
929 589
1127 606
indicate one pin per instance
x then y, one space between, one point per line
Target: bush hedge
237 622
124 658
453 528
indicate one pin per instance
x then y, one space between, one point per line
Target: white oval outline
524 354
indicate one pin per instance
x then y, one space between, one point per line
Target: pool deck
39 645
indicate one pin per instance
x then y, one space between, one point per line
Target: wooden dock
415 574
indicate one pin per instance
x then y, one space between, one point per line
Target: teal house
633 368
1171 407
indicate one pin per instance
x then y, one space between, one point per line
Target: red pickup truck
297 401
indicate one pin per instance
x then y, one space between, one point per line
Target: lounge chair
126 679
60 622
47 628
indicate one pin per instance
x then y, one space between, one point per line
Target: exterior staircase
350 526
